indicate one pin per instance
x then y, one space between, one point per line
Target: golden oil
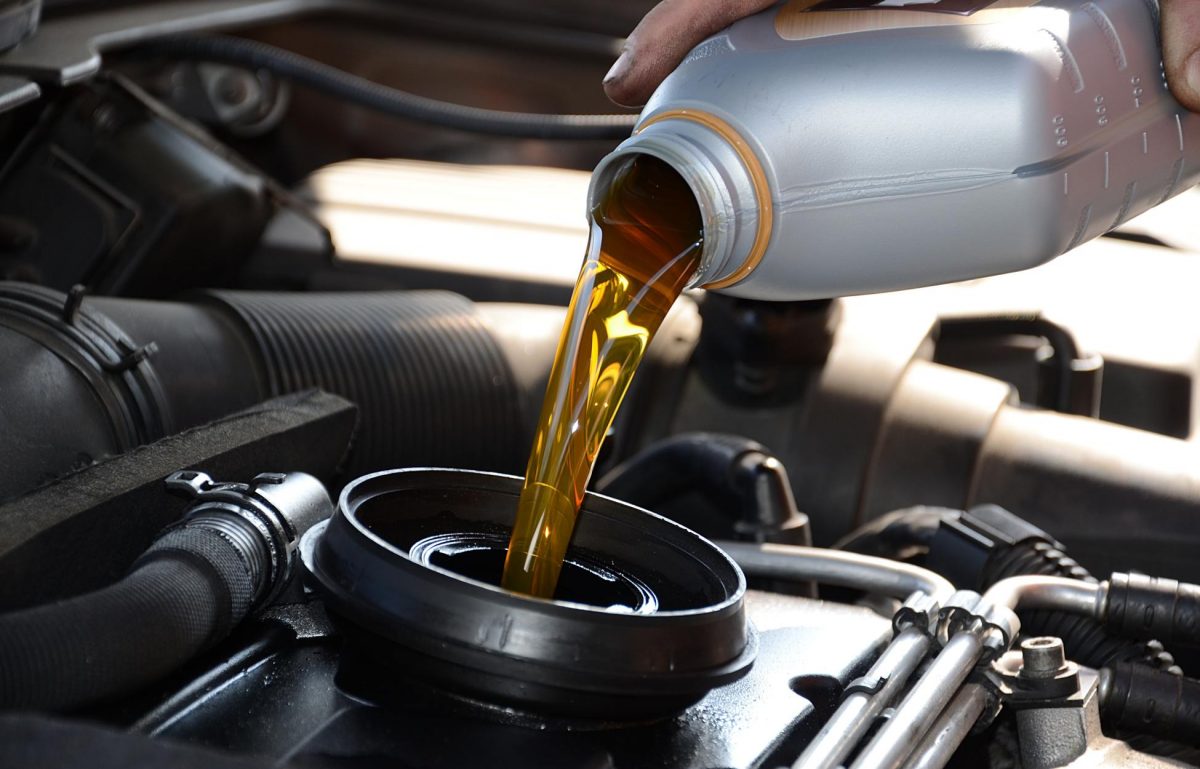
645 245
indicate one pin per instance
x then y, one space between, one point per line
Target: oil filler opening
649 615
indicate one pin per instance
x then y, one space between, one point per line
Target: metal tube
1040 592
894 742
835 567
951 728
858 710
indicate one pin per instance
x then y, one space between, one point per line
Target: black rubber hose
912 532
326 79
675 465
1140 606
1152 702
738 475
900 534
1087 641
186 592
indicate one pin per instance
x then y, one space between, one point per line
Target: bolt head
1042 657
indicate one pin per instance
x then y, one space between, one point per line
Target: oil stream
645 245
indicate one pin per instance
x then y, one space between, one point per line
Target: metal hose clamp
967 611
264 519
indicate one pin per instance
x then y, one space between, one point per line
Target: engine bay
278 312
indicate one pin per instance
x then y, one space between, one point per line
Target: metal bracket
968 611
865 685
919 611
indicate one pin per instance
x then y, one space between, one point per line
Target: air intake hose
432 385
99 376
232 553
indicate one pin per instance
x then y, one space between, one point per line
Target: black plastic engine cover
275 695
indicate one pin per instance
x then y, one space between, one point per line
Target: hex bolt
1042 657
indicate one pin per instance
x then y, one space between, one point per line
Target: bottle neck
716 170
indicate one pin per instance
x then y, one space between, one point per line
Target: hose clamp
920 611
277 507
967 612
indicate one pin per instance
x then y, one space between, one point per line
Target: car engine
277 310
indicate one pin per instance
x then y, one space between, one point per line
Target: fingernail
619 68
1191 71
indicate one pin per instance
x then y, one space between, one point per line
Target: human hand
674 27
665 35
1181 50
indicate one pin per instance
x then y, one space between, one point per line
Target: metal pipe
927 700
894 742
858 710
951 728
834 567
1042 592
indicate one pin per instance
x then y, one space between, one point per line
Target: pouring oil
645 246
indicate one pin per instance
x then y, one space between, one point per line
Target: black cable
392 101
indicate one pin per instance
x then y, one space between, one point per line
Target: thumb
663 38
1181 50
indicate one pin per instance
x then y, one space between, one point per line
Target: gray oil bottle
845 146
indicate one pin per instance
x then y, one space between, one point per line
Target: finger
663 38
1181 50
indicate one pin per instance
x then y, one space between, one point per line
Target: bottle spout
735 206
